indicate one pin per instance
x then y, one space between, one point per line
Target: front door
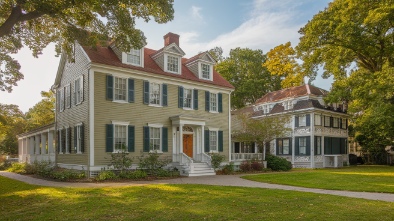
188 144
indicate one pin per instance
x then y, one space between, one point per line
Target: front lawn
354 178
20 201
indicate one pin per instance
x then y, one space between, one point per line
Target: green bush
216 160
6 164
106 175
152 163
17 168
228 169
66 175
43 168
133 175
277 163
121 161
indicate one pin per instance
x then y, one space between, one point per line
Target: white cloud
196 13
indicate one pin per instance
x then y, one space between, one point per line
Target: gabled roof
106 56
292 92
202 56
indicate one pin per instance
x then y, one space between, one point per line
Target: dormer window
172 64
288 105
206 71
134 57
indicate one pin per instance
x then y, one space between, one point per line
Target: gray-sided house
143 101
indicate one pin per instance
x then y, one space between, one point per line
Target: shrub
216 160
66 175
256 166
121 161
228 169
152 163
5 164
17 168
106 175
43 168
277 163
245 166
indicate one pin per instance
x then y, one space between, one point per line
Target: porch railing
246 156
203 157
182 158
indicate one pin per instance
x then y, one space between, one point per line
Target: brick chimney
171 38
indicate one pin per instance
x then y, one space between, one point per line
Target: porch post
312 126
37 146
50 144
31 145
180 138
293 142
43 143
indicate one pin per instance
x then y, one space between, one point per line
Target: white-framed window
134 57
188 98
288 105
327 121
154 138
120 137
206 71
78 90
67 91
213 103
213 140
302 145
335 122
318 146
284 146
78 137
61 99
344 120
172 64
120 89
302 121
154 93
317 119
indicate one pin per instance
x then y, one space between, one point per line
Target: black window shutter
195 99
164 145
297 145
75 138
58 141
220 102
131 90
146 139
82 95
110 138
308 146
346 123
180 97
290 146
340 123
64 141
110 87
207 100
296 121
220 137
327 145
146 92
277 146
69 139
82 139
308 120
206 141
331 121
164 95
131 142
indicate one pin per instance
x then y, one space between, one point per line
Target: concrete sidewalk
220 180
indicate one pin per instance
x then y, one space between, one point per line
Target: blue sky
202 25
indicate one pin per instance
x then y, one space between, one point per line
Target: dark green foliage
216 160
121 161
277 163
228 169
152 163
106 175
66 175
133 175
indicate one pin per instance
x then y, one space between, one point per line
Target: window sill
120 101
156 151
172 72
213 151
134 64
154 105
188 108
213 112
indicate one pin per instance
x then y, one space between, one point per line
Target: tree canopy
36 23
244 70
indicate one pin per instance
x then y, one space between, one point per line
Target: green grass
354 178
20 201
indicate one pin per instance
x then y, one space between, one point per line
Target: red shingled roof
105 55
292 92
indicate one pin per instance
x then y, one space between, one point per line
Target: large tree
244 70
12 123
36 23
43 112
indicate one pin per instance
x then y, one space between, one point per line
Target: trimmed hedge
277 163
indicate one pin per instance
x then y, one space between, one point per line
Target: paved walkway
222 180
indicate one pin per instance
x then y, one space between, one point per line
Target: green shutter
131 140
308 120
180 97
110 87
290 146
220 102
206 141
297 146
57 141
331 121
110 138
296 121
69 139
164 95
164 144
220 137
82 139
207 100
336 145
277 146
146 92
308 146
195 99
131 90
75 139
327 145
146 139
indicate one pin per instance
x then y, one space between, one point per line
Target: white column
37 144
180 138
31 145
43 143
202 139
293 141
322 150
50 142
312 143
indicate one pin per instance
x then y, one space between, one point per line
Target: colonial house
141 101
318 136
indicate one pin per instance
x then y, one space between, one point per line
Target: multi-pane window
134 57
327 121
172 64
154 94
154 133
317 119
335 122
284 146
79 138
302 145
120 87
206 71
213 102
213 141
61 99
344 121
318 146
302 121
247 147
120 137
78 90
67 135
288 105
187 98
68 96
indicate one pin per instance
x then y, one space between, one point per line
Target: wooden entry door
188 144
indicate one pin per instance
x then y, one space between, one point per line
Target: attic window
206 71
288 105
134 57
172 64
